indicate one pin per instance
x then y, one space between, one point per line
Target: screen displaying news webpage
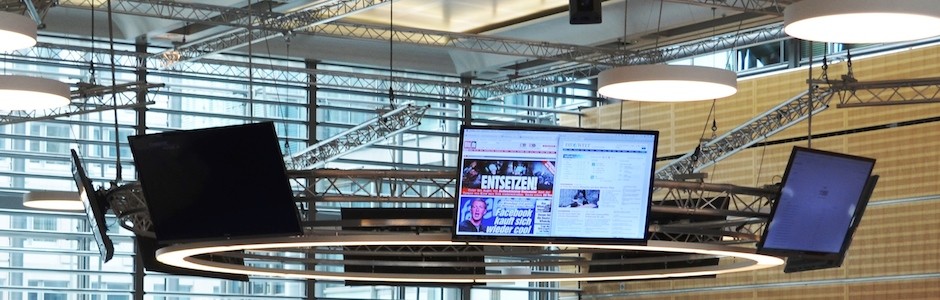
555 184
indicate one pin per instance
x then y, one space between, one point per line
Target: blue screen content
818 201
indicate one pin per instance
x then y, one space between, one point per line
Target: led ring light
184 255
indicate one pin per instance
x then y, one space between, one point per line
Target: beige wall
895 244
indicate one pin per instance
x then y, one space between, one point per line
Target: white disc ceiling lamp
862 21
24 92
16 32
55 200
667 83
28 93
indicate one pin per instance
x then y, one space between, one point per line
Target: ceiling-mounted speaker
584 11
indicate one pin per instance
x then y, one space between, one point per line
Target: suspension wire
809 119
117 132
251 67
391 57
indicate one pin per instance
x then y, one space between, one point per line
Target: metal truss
265 28
174 10
82 56
469 42
853 93
332 185
396 121
86 100
569 74
757 129
592 59
772 7
745 213
127 202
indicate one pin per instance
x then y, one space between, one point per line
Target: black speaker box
584 11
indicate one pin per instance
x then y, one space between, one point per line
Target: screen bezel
859 209
556 239
94 208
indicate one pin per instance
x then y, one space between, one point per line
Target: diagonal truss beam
776 119
369 132
86 101
266 28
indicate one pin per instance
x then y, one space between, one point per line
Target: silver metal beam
776 119
771 7
85 101
853 93
369 132
261 29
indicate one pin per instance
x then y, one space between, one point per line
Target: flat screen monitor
820 196
95 208
215 183
147 248
809 263
564 185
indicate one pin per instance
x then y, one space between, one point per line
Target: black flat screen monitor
820 196
95 208
809 263
562 185
215 183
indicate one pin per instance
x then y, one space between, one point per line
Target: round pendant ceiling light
666 83
27 93
55 200
16 31
862 21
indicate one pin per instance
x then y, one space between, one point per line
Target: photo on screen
526 184
580 198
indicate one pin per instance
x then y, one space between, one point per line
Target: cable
117 131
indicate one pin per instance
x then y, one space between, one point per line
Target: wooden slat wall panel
893 240
907 290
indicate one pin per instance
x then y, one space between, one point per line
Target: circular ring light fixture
16 31
185 256
667 83
862 21
54 200
27 93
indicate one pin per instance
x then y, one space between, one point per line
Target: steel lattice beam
82 56
745 210
567 75
757 129
369 132
261 29
173 10
469 42
852 93
590 56
86 101
771 7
